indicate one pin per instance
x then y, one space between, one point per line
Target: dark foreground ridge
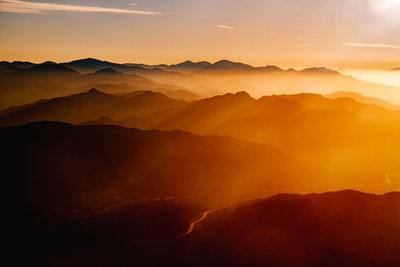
345 228
101 195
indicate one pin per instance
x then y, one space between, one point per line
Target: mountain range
318 130
24 82
198 163
56 169
89 65
89 106
329 229
364 99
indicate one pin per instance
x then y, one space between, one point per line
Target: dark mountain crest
10 68
106 66
49 63
228 96
108 70
189 63
150 94
271 68
319 70
95 91
242 94
228 65
18 64
291 70
53 68
89 60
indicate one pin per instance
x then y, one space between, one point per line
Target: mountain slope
203 115
226 65
88 65
329 229
90 106
55 168
189 66
364 99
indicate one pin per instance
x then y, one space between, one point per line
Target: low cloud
226 27
372 45
16 6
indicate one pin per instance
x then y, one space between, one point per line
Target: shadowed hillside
364 99
350 144
331 229
90 106
22 82
59 174
57 168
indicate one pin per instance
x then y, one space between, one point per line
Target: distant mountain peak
187 62
49 63
89 59
95 91
108 70
191 64
225 61
52 68
319 70
229 65
242 93
238 95
272 68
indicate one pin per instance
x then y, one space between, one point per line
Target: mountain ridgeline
24 82
197 164
316 130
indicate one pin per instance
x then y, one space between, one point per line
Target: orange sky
288 33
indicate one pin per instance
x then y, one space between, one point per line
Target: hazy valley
114 164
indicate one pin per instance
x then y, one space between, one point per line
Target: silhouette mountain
64 180
56 168
344 228
219 114
51 68
107 71
319 130
189 66
319 70
335 228
202 78
364 99
90 106
9 69
271 68
17 64
204 115
92 65
226 65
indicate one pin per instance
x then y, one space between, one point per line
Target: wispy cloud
372 45
16 6
226 27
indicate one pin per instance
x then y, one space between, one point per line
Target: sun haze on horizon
290 33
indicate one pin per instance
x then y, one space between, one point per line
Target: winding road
193 224
188 232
